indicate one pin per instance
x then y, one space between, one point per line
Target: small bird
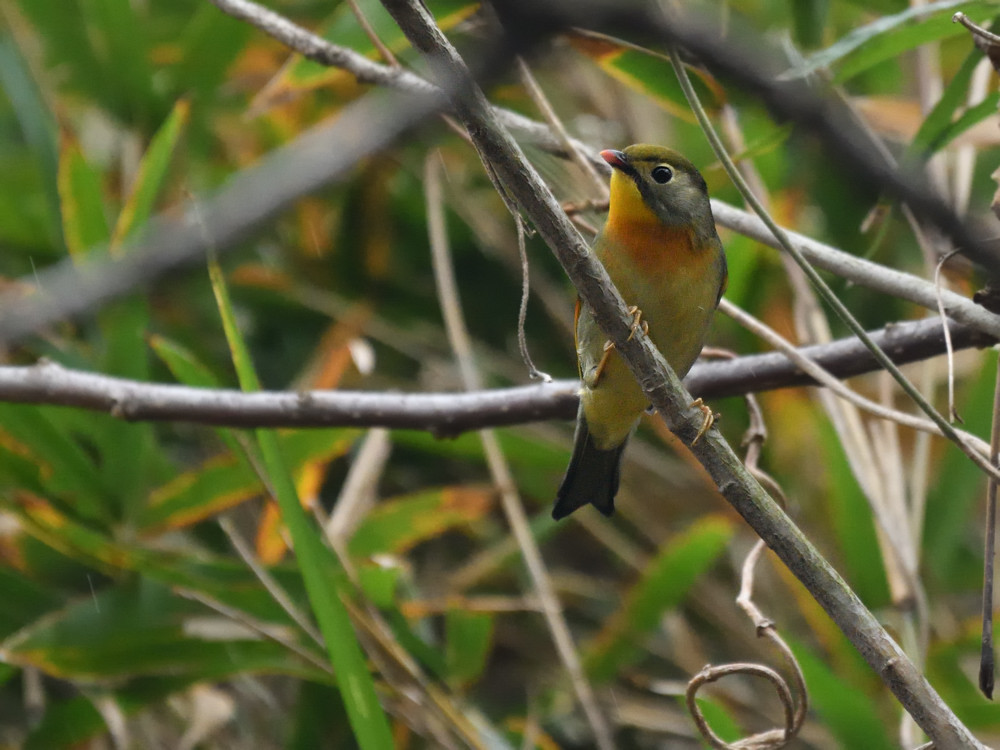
661 250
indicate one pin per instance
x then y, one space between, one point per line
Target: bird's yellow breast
635 235
672 279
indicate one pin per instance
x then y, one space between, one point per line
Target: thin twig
952 411
549 115
358 492
444 413
974 444
267 630
864 273
795 711
770 739
384 52
273 588
976 29
522 312
510 500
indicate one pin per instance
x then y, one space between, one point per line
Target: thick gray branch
444 414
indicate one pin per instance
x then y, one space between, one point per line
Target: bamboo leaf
151 175
371 728
886 38
468 640
397 525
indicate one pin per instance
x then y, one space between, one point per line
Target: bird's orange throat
633 229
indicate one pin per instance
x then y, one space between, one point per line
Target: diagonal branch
664 389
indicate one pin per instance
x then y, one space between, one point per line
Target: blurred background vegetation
129 617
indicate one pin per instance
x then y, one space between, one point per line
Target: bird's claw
709 418
637 323
599 370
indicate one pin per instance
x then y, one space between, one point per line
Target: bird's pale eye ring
662 174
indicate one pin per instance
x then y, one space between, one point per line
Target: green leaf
379 583
956 490
144 629
24 599
65 468
887 37
151 175
131 457
224 481
810 19
719 719
189 370
62 25
371 728
318 719
468 640
227 480
66 724
664 584
940 118
971 116
846 710
122 38
38 127
183 364
853 524
210 42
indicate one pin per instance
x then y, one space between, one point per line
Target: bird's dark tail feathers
592 476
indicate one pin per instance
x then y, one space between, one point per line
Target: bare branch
445 414
862 272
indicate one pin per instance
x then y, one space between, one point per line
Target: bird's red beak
615 158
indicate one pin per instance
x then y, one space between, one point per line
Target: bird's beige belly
678 316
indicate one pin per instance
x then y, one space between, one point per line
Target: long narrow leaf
151 175
886 37
371 728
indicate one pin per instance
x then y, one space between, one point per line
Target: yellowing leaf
397 525
85 225
648 73
151 174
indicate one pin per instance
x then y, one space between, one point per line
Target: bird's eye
662 174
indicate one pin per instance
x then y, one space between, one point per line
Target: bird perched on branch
661 250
